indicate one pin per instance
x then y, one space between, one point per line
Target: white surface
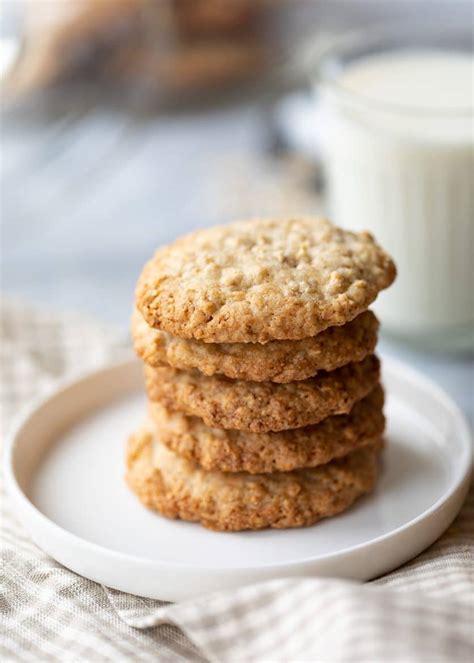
400 159
64 470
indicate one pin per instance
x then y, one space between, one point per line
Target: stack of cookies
265 404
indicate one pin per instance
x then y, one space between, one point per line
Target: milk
398 145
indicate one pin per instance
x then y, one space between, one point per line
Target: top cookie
256 281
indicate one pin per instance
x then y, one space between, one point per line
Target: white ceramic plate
64 471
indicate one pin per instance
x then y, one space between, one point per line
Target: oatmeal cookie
260 407
257 453
178 488
276 361
262 280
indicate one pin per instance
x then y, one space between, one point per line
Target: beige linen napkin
422 612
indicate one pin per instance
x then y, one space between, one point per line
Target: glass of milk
398 137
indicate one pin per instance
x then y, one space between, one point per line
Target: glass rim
376 34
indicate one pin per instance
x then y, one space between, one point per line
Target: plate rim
22 503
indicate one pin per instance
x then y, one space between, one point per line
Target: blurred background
127 122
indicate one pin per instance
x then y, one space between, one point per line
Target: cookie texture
262 280
276 361
239 451
178 488
262 406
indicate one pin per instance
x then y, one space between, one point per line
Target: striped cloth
422 612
